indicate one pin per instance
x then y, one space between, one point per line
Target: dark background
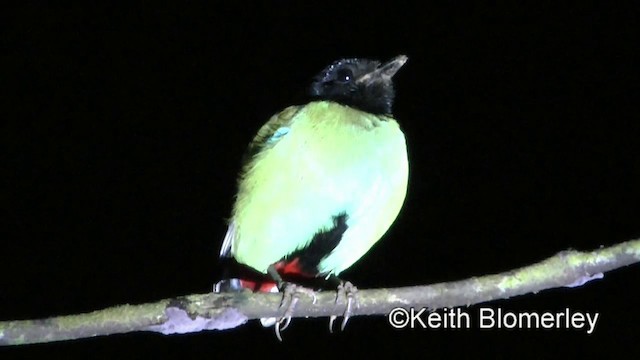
123 130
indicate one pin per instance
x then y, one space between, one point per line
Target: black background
123 129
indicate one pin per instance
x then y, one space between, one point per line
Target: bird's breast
332 160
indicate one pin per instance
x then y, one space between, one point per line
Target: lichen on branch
222 311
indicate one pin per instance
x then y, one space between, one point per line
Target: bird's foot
347 291
290 298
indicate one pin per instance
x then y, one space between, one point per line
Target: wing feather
268 135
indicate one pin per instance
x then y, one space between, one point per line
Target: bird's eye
344 75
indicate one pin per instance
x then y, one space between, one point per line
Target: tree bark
220 311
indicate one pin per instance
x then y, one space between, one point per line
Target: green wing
270 133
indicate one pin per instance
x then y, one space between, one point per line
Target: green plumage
333 159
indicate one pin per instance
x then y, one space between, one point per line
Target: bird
320 184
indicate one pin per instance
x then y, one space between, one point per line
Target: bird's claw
290 298
348 291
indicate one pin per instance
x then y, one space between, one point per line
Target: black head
360 83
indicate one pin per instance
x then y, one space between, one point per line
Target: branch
228 310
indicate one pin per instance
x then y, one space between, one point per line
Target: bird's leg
346 290
290 297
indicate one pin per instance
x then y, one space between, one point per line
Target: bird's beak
386 71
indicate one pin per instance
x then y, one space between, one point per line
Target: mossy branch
228 310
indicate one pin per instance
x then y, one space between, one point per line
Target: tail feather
225 250
228 285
